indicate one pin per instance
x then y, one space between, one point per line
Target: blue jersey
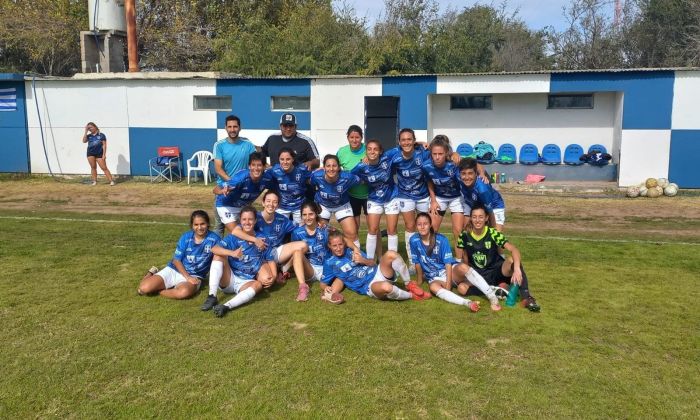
249 263
291 186
333 194
434 263
355 277
444 181
409 172
379 178
94 142
274 232
482 193
242 189
318 249
195 257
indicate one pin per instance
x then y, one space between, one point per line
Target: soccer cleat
495 306
500 292
221 310
209 303
530 304
416 290
303 294
473 306
424 296
111 183
334 298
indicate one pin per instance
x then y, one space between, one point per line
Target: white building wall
686 91
637 161
169 103
491 84
65 107
524 118
335 105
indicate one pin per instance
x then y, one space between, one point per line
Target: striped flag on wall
8 99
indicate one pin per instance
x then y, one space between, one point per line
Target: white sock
398 294
400 267
245 296
475 278
357 244
393 243
407 236
215 272
452 297
371 245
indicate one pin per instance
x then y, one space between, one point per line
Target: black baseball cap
288 119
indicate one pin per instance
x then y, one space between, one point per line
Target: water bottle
503 177
512 294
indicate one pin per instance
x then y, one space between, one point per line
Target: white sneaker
93 183
111 183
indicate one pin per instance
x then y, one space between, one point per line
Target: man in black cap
304 148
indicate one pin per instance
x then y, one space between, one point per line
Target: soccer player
434 262
316 237
443 186
475 190
350 156
291 184
241 190
352 269
377 173
245 274
183 275
96 152
333 186
481 246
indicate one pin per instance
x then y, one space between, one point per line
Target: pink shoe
303 294
282 277
473 306
416 291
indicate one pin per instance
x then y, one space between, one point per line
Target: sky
536 13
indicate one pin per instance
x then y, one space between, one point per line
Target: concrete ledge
585 172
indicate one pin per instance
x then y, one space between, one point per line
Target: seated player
245 274
481 246
183 275
241 190
316 237
475 190
352 269
434 262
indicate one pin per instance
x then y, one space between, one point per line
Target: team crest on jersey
339 188
479 259
278 228
345 268
384 165
450 172
207 249
319 236
190 258
406 173
487 244
298 177
371 178
419 161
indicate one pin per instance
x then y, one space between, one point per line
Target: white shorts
456 205
228 214
340 212
171 277
318 271
408 204
500 216
296 215
236 284
392 207
378 276
275 254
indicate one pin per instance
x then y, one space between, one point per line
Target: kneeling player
245 275
481 245
362 275
433 259
181 278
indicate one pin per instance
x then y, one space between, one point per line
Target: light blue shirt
234 156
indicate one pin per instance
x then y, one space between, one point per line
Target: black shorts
359 205
96 154
494 275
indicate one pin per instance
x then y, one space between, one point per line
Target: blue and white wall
647 119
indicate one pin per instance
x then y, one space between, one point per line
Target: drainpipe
131 42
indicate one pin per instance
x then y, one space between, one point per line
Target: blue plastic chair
599 147
506 154
572 153
465 150
551 154
529 155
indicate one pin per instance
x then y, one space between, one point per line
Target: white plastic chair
202 158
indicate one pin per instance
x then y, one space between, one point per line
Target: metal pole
131 41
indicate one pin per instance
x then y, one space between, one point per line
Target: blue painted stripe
144 143
14 142
684 158
413 94
252 101
648 96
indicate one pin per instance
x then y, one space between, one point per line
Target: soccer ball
651 183
662 182
655 192
643 191
671 190
633 191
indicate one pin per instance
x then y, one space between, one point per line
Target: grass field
618 335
